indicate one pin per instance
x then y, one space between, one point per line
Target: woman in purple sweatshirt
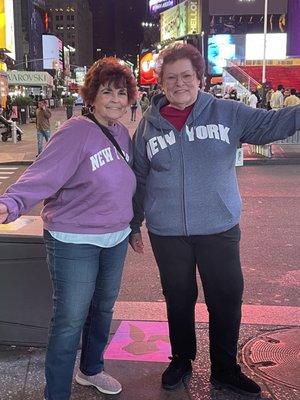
88 186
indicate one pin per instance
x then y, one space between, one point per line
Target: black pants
218 261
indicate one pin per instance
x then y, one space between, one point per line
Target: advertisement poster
7 31
147 71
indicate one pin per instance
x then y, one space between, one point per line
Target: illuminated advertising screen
243 7
275 48
157 6
80 73
52 52
243 47
222 48
7 31
147 71
181 20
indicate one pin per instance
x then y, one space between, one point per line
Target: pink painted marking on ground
140 341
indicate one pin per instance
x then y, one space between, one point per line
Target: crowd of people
178 174
271 100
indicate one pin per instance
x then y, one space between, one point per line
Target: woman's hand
3 213
136 242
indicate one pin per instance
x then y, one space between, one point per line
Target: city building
71 21
30 23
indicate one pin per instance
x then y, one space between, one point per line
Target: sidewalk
272 363
24 152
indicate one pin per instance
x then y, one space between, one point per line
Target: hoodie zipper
183 187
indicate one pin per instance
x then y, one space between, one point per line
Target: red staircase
288 76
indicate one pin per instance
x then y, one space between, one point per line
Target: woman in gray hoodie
184 160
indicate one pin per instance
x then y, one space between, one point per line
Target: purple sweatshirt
86 184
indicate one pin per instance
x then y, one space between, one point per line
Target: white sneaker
102 381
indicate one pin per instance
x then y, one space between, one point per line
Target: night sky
117 27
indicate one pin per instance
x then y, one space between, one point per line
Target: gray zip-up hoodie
187 180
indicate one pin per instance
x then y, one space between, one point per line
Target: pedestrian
43 115
268 98
292 99
133 108
69 103
8 111
85 177
253 100
144 102
184 160
276 101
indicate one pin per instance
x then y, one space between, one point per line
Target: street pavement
138 348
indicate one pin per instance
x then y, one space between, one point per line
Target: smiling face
110 103
180 83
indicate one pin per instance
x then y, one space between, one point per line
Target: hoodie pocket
225 210
161 161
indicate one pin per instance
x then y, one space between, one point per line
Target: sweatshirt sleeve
141 167
47 175
258 126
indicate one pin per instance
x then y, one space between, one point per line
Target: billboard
147 70
293 37
7 31
157 6
52 52
243 7
181 20
243 47
222 48
275 50
80 73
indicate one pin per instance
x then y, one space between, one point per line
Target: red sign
147 72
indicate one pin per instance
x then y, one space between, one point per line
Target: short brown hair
179 51
108 71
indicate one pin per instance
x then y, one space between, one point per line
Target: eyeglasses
186 77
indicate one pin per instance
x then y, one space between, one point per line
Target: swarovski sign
29 78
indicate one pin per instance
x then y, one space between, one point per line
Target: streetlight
263 79
202 43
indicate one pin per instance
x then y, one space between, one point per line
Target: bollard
57 125
14 132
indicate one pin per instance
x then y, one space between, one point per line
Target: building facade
30 22
71 21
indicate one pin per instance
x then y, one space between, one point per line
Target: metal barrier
263 150
266 149
295 139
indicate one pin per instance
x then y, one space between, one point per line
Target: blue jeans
41 135
86 281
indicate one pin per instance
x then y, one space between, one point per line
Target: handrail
249 78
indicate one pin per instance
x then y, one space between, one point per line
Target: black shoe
236 381
178 372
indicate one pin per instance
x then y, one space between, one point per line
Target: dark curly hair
108 71
179 51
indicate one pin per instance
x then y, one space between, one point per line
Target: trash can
25 286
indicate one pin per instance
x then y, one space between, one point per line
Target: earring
92 109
